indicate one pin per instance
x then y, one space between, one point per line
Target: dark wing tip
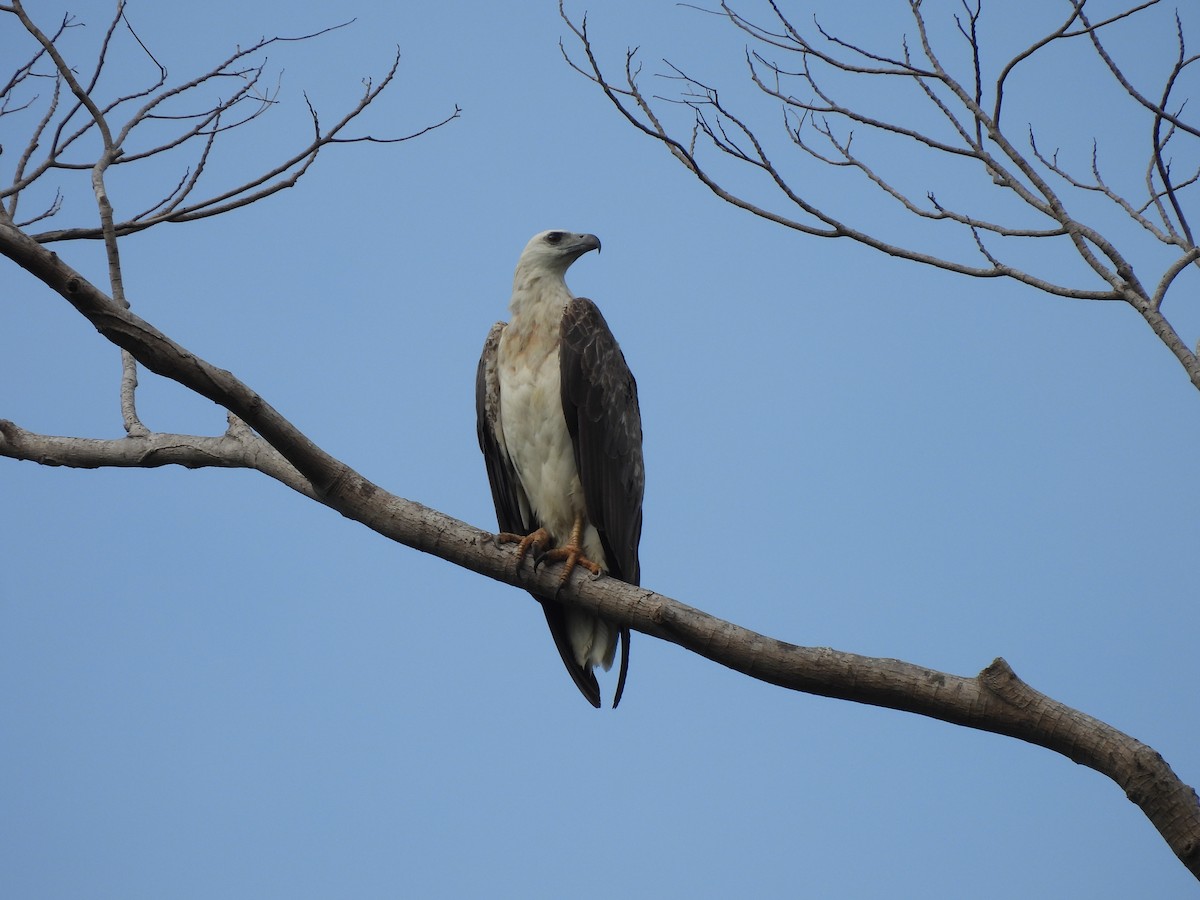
624 667
584 679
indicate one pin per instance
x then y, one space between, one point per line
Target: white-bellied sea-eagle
561 434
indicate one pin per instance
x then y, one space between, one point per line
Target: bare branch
26 70
111 151
1169 276
66 72
238 448
830 226
159 104
30 149
371 139
830 107
1091 31
261 438
996 700
1097 186
52 209
280 177
976 137
1021 57
1160 142
970 31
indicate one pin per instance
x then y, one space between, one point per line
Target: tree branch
995 701
261 438
977 138
238 448
157 106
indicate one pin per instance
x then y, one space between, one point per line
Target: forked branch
954 122
80 132
62 141
261 438
995 700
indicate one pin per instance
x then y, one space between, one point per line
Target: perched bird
561 434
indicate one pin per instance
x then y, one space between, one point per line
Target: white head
552 252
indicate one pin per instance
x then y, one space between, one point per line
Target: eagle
561 433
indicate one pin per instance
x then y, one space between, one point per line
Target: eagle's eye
554 237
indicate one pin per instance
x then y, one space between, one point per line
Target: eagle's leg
571 554
535 541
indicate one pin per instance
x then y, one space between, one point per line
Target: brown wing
599 399
513 513
512 506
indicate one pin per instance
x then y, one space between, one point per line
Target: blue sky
214 687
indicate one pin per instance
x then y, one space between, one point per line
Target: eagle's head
552 252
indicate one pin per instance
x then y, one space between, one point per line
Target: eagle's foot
534 541
571 556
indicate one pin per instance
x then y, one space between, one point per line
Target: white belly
536 437
535 434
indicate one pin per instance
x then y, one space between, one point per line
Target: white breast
535 435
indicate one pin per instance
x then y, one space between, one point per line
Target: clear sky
212 687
